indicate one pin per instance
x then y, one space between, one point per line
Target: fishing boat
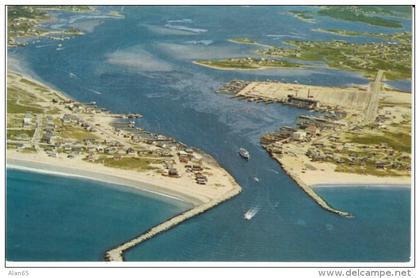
244 153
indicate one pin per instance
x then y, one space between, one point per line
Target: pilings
117 253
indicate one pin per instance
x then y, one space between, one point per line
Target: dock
117 253
303 96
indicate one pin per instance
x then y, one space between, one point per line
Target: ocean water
51 218
142 64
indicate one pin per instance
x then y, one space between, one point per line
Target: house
285 132
117 157
91 157
299 135
77 148
66 119
48 137
67 148
168 164
196 157
183 159
196 168
110 150
302 102
27 119
312 130
130 150
173 172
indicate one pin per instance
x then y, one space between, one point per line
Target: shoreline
364 185
219 186
250 43
241 69
294 148
143 188
309 190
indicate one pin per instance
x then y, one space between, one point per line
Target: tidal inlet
209 134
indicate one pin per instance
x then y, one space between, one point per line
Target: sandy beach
240 69
87 145
179 188
324 174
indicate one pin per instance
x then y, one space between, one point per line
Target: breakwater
117 253
309 191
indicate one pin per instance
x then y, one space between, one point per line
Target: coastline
143 187
295 148
360 185
219 185
249 43
234 69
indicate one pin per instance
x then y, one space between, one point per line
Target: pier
117 253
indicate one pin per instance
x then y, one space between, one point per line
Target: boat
131 124
251 213
256 179
244 153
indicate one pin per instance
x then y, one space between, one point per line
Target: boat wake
95 92
251 213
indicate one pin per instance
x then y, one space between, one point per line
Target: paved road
375 88
38 132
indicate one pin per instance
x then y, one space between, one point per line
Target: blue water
142 63
51 218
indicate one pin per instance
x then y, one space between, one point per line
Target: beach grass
77 133
13 107
368 169
130 163
242 40
19 101
399 141
16 134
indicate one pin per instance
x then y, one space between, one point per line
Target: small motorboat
244 153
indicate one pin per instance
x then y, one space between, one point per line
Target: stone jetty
117 253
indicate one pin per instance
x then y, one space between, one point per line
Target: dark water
142 63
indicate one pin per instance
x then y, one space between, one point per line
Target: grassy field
398 141
19 101
15 120
242 40
394 59
247 63
15 134
75 132
360 14
130 163
369 169
13 107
